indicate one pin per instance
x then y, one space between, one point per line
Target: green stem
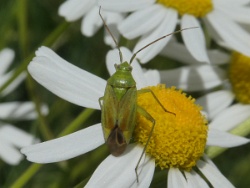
47 42
23 41
82 183
22 180
58 107
9 12
27 175
22 26
45 130
77 122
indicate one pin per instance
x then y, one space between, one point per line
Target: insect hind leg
99 100
150 118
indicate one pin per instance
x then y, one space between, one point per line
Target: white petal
230 32
20 110
194 180
66 80
152 77
74 9
138 75
113 17
179 52
66 147
208 160
230 2
166 27
91 22
6 57
237 13
194 78
124 6
137 72
9 154
15 136
108 38
13 84
146 172
119 171
142 21
113 58
231 117
194 38
223 139
213 175
214 102
176 179
218 57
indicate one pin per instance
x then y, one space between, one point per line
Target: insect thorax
122 79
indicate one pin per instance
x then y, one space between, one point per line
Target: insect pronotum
119 104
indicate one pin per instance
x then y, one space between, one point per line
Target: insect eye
129 68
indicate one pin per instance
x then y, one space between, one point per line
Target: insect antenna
107 28
173 33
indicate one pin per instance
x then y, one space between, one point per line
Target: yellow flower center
178 140
198 8
239 75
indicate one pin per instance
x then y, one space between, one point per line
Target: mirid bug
119 104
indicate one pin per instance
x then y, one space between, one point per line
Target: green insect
119 104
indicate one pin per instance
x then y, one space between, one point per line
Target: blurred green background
24 25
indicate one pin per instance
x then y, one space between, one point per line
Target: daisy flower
88 10
153 18
218 105
11 137
6 58
84 89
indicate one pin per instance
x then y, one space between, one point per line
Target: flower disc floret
179 137
239 75
198 8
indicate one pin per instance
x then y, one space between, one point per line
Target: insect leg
150 118
99 100
157 100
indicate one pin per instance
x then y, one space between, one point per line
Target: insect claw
137 176
170 112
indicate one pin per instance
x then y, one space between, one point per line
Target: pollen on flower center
178 140
198 8
239 75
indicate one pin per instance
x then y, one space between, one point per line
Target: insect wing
109 111
127 113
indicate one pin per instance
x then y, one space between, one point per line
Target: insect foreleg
150 118
157 100
99 100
